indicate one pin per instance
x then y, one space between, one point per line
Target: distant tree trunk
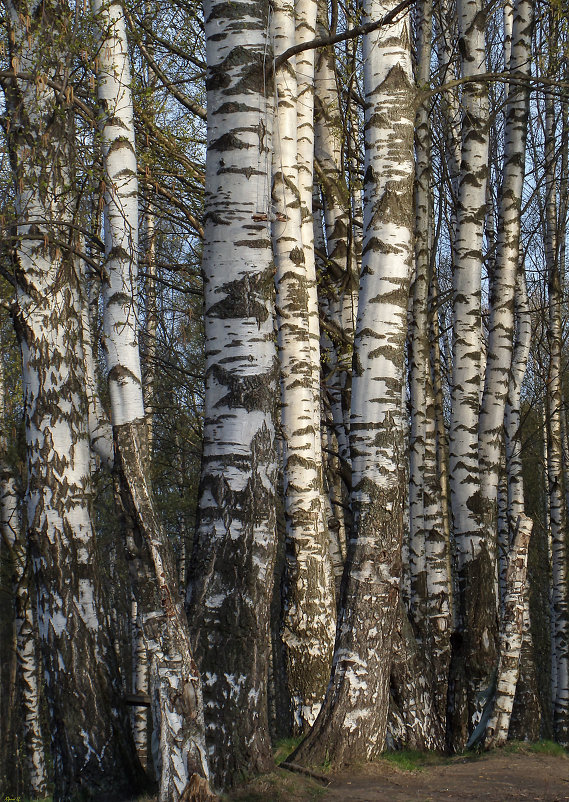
353 719
231 573
27 676
557 508
91 743
339 287
176 698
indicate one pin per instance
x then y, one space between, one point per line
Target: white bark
27 677
557 508
476 571
231 573
352 722
464 469
120 287
309 614
339 280
511 633
91 743
100 430
176 697
503 280
418 336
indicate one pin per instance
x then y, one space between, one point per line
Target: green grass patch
536 748
412 759
285 748
546 748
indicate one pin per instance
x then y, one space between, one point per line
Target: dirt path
497 777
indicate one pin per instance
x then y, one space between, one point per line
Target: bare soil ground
501 776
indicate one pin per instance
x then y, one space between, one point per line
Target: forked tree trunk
175 687
91 742
353 719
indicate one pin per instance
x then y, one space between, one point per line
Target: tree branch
359 30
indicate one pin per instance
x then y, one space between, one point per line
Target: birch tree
352 722
504 282
477 642
91 743
557 506
309 605
230 584
175 687
27 674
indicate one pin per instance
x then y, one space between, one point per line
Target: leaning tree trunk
231 575
176 698
352 722
91 742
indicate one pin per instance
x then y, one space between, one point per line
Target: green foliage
412 759
546 748
285 748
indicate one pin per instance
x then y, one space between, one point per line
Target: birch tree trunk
352 722
175 687
309 606
511 634
526 713
498 367
418 336
475 645
92 747
27 677
555 478
503 279
231 574
339 281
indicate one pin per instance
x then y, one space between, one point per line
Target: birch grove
283 398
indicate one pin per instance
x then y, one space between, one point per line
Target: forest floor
514 774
